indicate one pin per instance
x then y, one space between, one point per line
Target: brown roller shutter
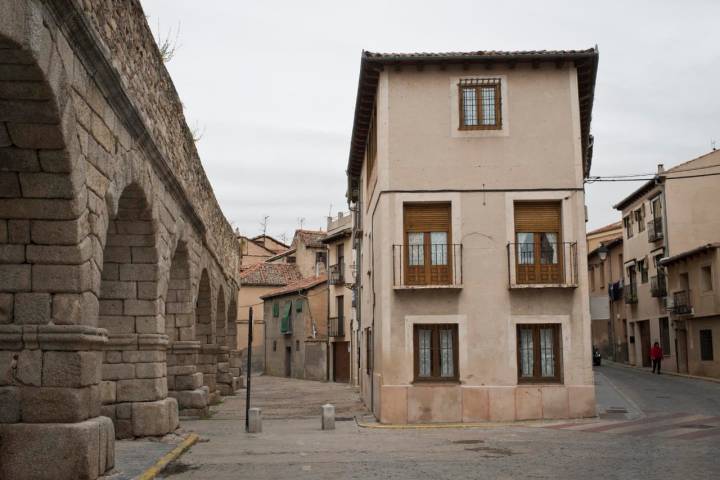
537 216
427 217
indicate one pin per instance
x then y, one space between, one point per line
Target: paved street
638 435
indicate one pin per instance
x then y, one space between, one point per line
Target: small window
643 267
291 260
480 104
627 223
706 346
640 218
321 257
436 352
274 345
297 345
298 305
538 353
665 336
276 309
706 280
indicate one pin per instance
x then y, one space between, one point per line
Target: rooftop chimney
661 169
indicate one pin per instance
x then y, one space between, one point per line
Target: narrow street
671 428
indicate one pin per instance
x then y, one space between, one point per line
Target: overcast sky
272 84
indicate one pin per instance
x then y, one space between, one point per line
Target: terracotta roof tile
311 238
272 274
303 284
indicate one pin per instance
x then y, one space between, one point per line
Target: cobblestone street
292 443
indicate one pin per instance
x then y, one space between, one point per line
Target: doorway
341 362
288 362
645 342
681 350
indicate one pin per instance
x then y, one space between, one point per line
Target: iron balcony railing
542 263
336 327
336 274
681 303
658 285
655 229
427 265
630 292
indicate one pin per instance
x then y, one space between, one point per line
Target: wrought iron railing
630 293
336 274
655 229
658 285
427 265
544 263
336 327
681 303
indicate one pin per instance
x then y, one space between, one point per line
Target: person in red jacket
656 355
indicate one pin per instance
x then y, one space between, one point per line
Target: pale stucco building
342 331
670 271
466 171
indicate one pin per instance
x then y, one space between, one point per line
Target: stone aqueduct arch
117 267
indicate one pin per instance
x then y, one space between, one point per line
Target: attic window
480 103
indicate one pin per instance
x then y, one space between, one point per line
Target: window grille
480 104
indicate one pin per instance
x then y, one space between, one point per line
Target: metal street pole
249 369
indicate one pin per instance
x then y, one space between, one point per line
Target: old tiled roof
689 253
606 228
304 284
311 238
277 249
372 63
271 274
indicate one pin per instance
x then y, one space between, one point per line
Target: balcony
336 327
630 293
655 230
542 265
681 303
336 274
435 266
658 285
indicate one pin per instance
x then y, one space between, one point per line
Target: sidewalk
133 458
648 370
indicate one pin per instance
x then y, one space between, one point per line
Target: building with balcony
668 216
342 331
607 306
466 175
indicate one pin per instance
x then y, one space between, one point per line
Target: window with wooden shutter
428 254
539 353
539 252
436 352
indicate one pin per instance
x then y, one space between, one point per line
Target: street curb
429 426
153 471
674 374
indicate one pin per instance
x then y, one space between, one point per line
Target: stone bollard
328 417
255 420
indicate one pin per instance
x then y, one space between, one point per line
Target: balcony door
427 256
539 253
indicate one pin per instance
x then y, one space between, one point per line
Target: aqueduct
117 266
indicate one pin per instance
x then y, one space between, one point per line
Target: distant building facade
669 269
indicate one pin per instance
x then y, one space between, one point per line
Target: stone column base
143 419
193 403
57 451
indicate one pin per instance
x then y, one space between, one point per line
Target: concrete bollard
255 420
328 417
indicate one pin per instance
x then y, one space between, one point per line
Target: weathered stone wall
107 225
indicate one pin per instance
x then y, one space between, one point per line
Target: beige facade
253 251
607 307
448 325
342 335
296 330
674 213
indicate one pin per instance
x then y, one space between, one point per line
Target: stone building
259 249
342 344
118 270
296 329
668 223
468 169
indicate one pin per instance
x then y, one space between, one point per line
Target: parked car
597 358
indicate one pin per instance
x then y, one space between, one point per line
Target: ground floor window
538 353
706 345
436 352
